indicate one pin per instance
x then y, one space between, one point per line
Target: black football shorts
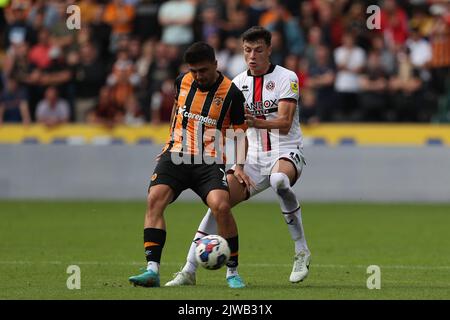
201 178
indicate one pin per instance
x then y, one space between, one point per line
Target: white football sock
290 208
207 226
153 266
232 272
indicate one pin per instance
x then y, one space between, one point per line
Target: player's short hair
257 33
199 52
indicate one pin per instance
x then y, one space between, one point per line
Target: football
212 252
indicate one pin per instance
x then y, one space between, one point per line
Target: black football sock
154 240
233 243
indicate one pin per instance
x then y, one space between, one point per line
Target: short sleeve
289 87
237 108
177 85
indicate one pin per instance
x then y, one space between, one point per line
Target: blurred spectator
232 58
133 112
162 103
61 36
13 104
48 67
146 58
134 49
308 109
422 21
101 33
16 63
291 62
40 53
440 62
215 41
387 57
120 17
210 22
161 69
146 24
176 18
255 8
106 112
406 90
419 48
17 28
43 14
355 22
373 83
349 60
52 110
394 24
308 17
314 41
123 79
331 23
90 74
279 51
88 10
278 18
237 24
321 81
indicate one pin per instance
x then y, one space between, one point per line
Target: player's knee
279 182
155 203
220 209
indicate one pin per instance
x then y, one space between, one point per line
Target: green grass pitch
410 243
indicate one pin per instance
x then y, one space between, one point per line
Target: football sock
232 272
206 227
290 208
154 240
233 243
295 226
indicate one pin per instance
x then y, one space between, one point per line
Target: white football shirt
262 95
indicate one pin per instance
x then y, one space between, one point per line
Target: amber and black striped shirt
201 115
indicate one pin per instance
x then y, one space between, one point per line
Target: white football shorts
259 166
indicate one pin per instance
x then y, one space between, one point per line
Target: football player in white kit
275 158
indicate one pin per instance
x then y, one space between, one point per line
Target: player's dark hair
256 33
199 52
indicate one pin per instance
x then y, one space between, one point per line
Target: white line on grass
258 265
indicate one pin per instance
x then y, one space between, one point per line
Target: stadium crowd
119 67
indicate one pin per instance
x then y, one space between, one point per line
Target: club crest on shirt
270 85
294 86
218 101
154 176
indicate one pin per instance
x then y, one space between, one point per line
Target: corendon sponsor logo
262 107
206 120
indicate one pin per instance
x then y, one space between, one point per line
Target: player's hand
242 177
250 120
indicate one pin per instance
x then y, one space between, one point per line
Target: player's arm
287 105
237 114
177 86
174 108
286 112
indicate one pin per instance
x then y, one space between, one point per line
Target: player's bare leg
208 225
219 203
283 176
158 198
